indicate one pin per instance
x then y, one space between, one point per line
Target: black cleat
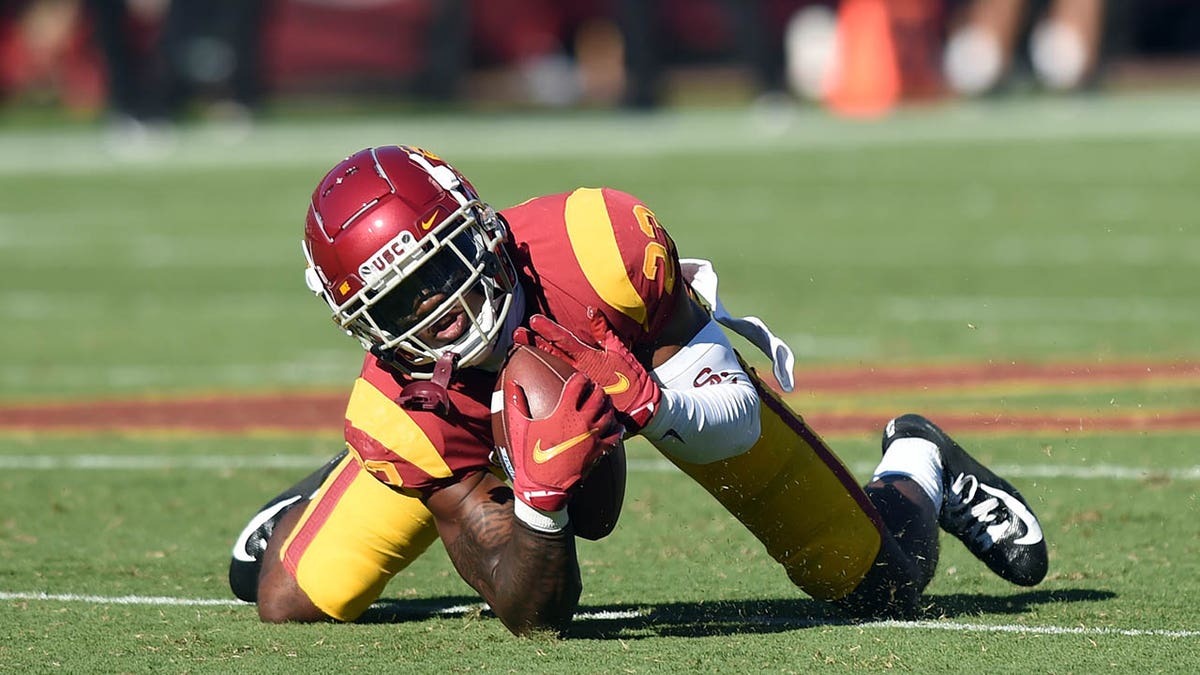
980 508
252 542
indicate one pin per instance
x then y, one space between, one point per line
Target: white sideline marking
223 462
615 615
685 132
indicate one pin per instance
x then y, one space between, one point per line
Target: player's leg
247 560
801 502
333 557
924 480
903 490
975 505
908 552
281 598
871 551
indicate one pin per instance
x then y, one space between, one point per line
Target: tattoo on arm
530 579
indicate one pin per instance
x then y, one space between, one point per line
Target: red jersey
591 247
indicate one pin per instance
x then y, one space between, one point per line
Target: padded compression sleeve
709 409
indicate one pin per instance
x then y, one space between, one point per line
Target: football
596 504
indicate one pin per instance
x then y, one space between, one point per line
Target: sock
917 459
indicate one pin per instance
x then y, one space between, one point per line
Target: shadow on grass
729 617
399 611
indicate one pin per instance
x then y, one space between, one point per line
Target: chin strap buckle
430 395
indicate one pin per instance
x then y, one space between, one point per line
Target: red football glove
551 455
607 361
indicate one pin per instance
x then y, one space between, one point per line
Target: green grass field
1034 232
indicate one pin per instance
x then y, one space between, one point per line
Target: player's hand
604 358
551 455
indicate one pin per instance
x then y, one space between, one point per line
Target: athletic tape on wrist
542 521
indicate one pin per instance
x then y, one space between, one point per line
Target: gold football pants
353 537
799 500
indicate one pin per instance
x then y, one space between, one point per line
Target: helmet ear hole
313 280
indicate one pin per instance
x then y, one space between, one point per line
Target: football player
437 287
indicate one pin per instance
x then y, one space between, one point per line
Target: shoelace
976 520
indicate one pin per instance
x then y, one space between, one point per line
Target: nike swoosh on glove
607 360
551 455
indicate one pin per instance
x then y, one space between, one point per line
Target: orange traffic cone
867 79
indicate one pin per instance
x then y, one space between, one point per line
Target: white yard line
427 610
86 462
122 599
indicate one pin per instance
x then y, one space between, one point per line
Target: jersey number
656 256
384 471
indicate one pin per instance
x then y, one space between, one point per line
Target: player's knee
286 603
882 599
279 596
891 589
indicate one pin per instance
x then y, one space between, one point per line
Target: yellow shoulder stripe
377 416
595 247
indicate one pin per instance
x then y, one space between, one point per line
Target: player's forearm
709 409
538 583
530 579
707 424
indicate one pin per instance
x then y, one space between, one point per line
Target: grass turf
1032 232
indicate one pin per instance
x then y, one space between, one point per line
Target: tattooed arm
530 579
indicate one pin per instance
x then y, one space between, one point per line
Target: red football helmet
408 258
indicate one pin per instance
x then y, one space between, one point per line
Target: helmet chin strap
430 395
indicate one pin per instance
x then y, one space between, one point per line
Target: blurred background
141 64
